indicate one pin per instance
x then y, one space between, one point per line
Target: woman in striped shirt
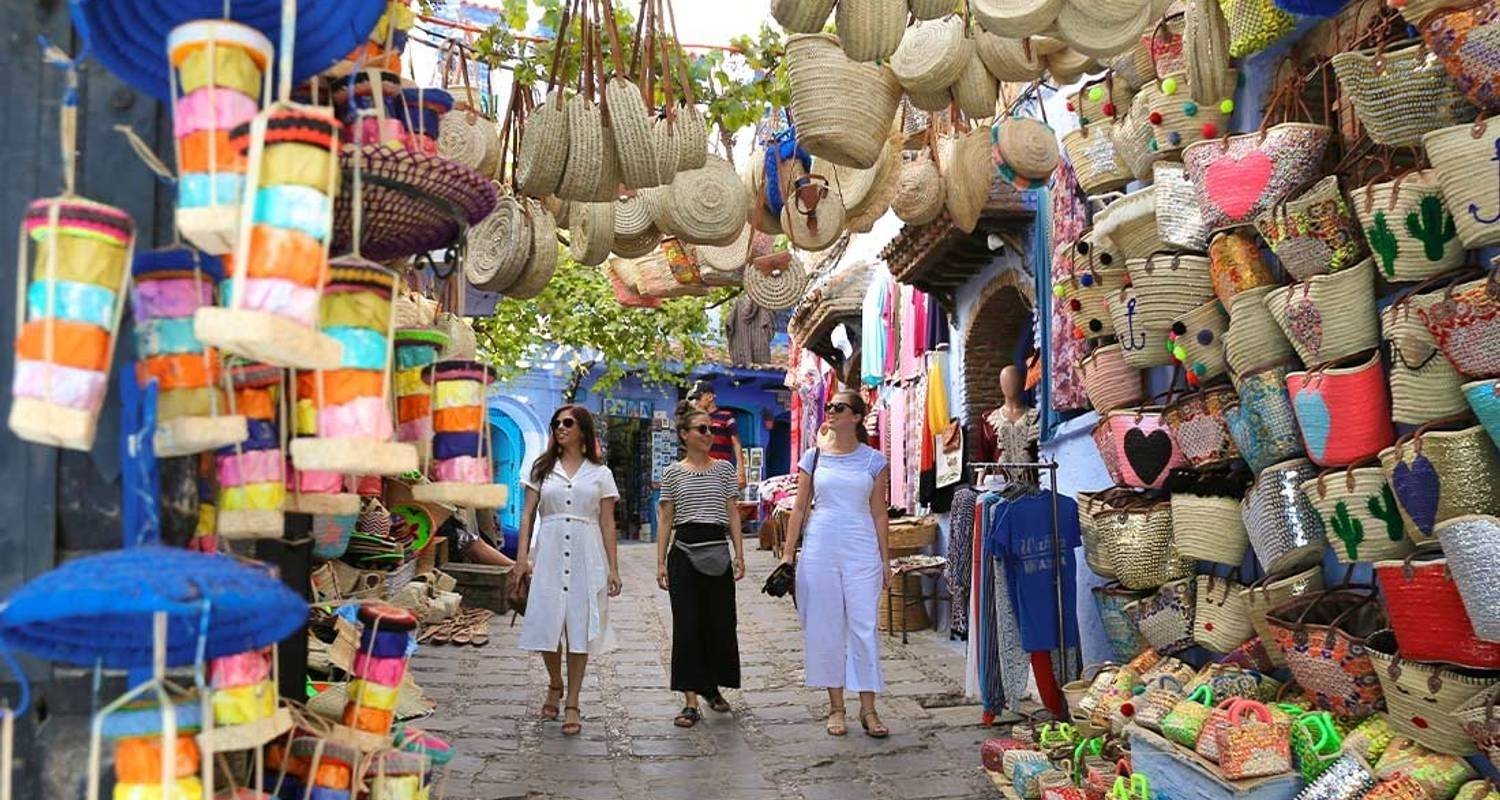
694 564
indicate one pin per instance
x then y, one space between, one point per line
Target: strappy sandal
573 728
718 703
445 632
476 625
876 731
835 724
688 718
550 710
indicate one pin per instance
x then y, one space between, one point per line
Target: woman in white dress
570 518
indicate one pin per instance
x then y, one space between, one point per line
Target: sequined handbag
1472 544
1315 232
1346 778
1254 25
1285 529
1026 777
1165 619
1156 702
1184 723
1427 612
1438 475
1239 177
1179 215
1237 263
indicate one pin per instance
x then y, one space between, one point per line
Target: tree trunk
575 382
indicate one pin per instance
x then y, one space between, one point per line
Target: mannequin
1011 430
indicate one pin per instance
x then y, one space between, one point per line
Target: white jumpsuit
569 599
840 574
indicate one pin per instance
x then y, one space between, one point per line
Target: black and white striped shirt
699 497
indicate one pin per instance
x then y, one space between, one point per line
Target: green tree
578 311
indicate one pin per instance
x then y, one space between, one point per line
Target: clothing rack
1060 666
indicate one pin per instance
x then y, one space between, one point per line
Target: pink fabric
1069 216
69 387
374 131
312 482
918 326
170 298
418 430
384 671
252 466
897 427
361 418
283 298
211 109
464 469
243 669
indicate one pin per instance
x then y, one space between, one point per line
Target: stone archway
997 322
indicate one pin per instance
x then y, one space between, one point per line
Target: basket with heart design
1466 326
1197 342
1329 317
1200 428
1285 529
1343 411
1239 177
1464 158
1359 513
1424 384
1409 227
1422 699
1427 612
1442 474
1464 40
1314 232
1140 444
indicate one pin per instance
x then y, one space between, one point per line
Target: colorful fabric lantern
379 667
252 473
459 467
416 350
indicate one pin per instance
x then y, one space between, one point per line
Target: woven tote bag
1109 382
1481 722
1197 343
1128 224
584 170
1322 638
1221 614
1254 25
1177 120
1254 744
593 229
1424 384
1199 426
919 191
1314 232
1472 544
1095 158
1462 39
1285 529
1138 543
1141 443
498 248
542 261
631 125
1399 93
1165 619
1179 217
1095 551
1422 700
1329 317
844 109
800 16
1472 193
1209 528
1411 770
967 185
1427 612
1484 398
1262 424
1240 176
1409 227
1359 513
1441 474
1162 289
1343 411
1161 696
932 56
1183 725
1087 295
1125 638
1464 325
1103 99
870 30
1270 592
544 148
1254 339
1134 137
1237 264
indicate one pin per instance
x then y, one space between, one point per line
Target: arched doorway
997 322
516 437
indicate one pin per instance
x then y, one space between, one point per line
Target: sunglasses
838 408
703 429
565 422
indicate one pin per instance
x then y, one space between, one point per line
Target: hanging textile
1069 218
873 332
749 328
935 422
998 667
960 557
938 331
1023 536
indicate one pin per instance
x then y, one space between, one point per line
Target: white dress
569 599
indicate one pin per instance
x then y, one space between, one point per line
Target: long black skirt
705 638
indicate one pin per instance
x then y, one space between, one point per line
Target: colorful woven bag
1484 398
1464 323
1199 426
1424 384
1124 637
1140 445
1237 263
1239 177
1196 342
1322 638
1343 411
1432 774
1316 743
1427 612
1165 619
1110 382
1410 228
1184 723
1441 474
1140 549
1399 92
1270 592
1329 317
1481 723
1253 744
1369 739
1314 232
1156 702
1254 25
1221 613
1262 425
1462 38
1285 529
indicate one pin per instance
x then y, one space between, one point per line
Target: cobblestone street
771 746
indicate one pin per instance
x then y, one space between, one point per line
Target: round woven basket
638 246
666 134
658 203
1409 227
468 138
709 205
1068 65
1129 225
1101 39
543 259
1109 382
633 218
1134 66
870 30
1209 528
1253 338
609 180
817 231
802 16
498 247
1177 120
1424 384
976 91
632 128
585 162
1029 147
930 102
725 266
844 109
593 232
692 138
969 178
1453 153
1095 158
544 148
932 56
931 9
1329 317
1016 18
1197 341
777 282
1400 93
919 191
1364 523
1008 59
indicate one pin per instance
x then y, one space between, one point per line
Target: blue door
509 454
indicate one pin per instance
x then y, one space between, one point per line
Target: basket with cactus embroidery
1409 227
1359 511
1239 177
1313 233
1466 325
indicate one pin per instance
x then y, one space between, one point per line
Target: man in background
725 430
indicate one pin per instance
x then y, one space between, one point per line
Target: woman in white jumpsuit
842 486
567 545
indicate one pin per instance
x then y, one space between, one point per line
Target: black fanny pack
709 555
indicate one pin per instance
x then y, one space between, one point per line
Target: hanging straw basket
1209 528
931 9
1253 338
1315 232
1329 317
843 108
870 30
814 229
1094 38
1360 514
585 162
1129 224
542 262
1135 141
1441 474
709 205
800 16
1470 192
1409 226
468 138
932 56
919 191
1179 218
976 91
1177 120
1096 159
544 148
1009 60
1017 18
1087 296
593 229
1424 384
1197 342
1109 381
1400 93
1163 288
633 129
775 282
967 185
498 247
1237 263
1221 613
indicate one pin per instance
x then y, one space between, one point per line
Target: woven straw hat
1028 146
498 247
976 91
543 260
593 229
802 16
776 282
633 130
708 205
544 148
870 30
1016 18
932 56
1008 59
919 191
931 9
968 180
585 162
817 227
1099 38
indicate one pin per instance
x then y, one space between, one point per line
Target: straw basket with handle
1409 226
1359 509
1469 191
1424 385
1329 317
1399 92
835 122
870 30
